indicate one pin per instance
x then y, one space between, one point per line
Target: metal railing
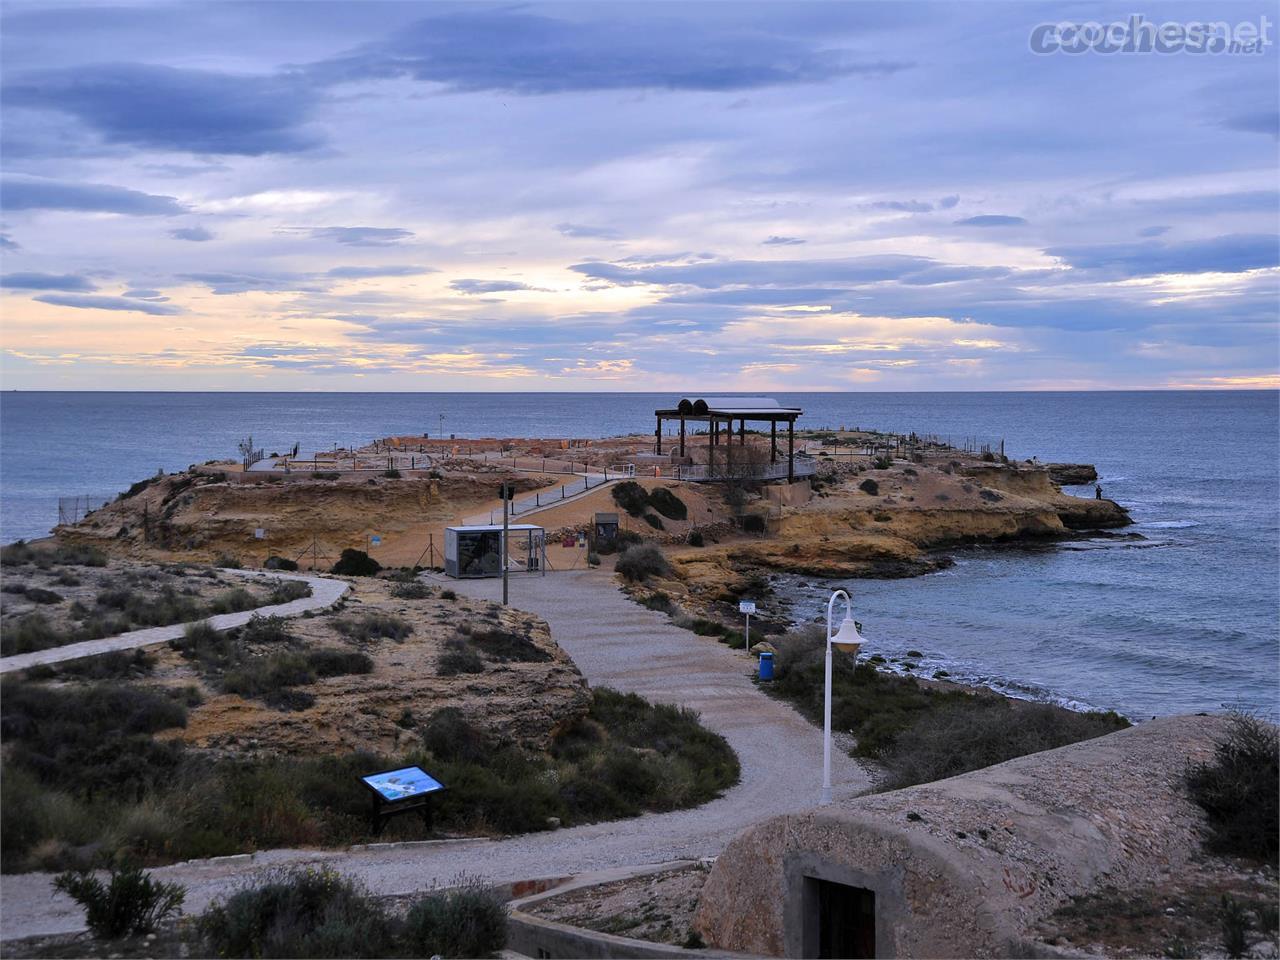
771 471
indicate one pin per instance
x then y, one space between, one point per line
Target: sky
632 196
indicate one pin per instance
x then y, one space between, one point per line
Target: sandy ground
615 643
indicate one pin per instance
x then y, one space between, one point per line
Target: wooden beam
658 434
682 436
742 432
773 441
791 451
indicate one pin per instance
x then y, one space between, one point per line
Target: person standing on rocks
1097 491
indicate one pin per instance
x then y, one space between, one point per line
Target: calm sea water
1184 620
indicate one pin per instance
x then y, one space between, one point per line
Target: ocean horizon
1180 621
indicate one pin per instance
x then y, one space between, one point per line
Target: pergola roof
752 408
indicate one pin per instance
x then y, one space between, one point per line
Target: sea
1185 619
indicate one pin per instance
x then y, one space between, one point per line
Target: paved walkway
324 592
569 491
616 643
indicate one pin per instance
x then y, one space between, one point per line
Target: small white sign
746 606
259 533
375 540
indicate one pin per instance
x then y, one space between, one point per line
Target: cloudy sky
627 196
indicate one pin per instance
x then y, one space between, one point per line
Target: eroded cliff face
889 523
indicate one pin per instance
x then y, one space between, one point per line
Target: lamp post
848 640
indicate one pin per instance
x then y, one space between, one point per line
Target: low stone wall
965 867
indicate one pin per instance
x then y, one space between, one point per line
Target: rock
553 823
1072 474
764 646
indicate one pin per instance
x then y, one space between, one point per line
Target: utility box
476 551
606 532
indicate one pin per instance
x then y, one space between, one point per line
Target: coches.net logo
1140 35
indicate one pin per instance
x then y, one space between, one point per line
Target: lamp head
847 637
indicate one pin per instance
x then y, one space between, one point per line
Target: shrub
32 632
593 559
355 563
1237 790
458 658
373 626
286 591
391 474
229 561
129 902
325 475
1235 926
448 595
40 595
970 734
668 504
331 662
469 920
233 601
304 912
451 737
695 538
414 590
507 646
261 677
639 563
883 462
870 486
753 523
79 555
281 563
653 520
266 630
631 497
16 553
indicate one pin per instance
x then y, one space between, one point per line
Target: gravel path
324 593
616 643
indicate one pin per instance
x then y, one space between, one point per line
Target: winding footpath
325 591
615 643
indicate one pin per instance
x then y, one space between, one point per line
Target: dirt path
324 593
615 643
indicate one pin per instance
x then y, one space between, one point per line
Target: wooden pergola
723 411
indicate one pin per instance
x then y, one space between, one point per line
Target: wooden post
791 451
773 441
742 432
715 431
682 437
658 434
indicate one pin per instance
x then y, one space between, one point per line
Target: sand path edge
325 592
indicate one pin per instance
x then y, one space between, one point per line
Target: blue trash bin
766 666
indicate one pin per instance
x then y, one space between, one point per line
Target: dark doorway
842 920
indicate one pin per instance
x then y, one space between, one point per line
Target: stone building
963 867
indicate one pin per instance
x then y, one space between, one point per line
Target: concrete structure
963 867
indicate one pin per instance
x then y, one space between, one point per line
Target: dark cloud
166 108
991 220
35 193
1266 121
194 234
1230 254
45 281
224 284
1157 231
488 286
362 236
579 230
492 48
141 293
712 275
8 243
903 206
776 241
946 203
90 302
359 273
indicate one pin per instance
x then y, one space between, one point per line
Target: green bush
331 662
129 902
870 486
695 538
374 626
414 590
653 520
631 497
1237 790
391 474
469 920
883 462
233 601
754 523
280 563
668 504
355 563
506 646
266 630
261 677
32 632
16 553
971 734
640 563
458 658
285 591
304 912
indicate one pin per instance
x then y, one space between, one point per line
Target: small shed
476 551
606 532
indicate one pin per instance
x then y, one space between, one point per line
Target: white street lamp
848 640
